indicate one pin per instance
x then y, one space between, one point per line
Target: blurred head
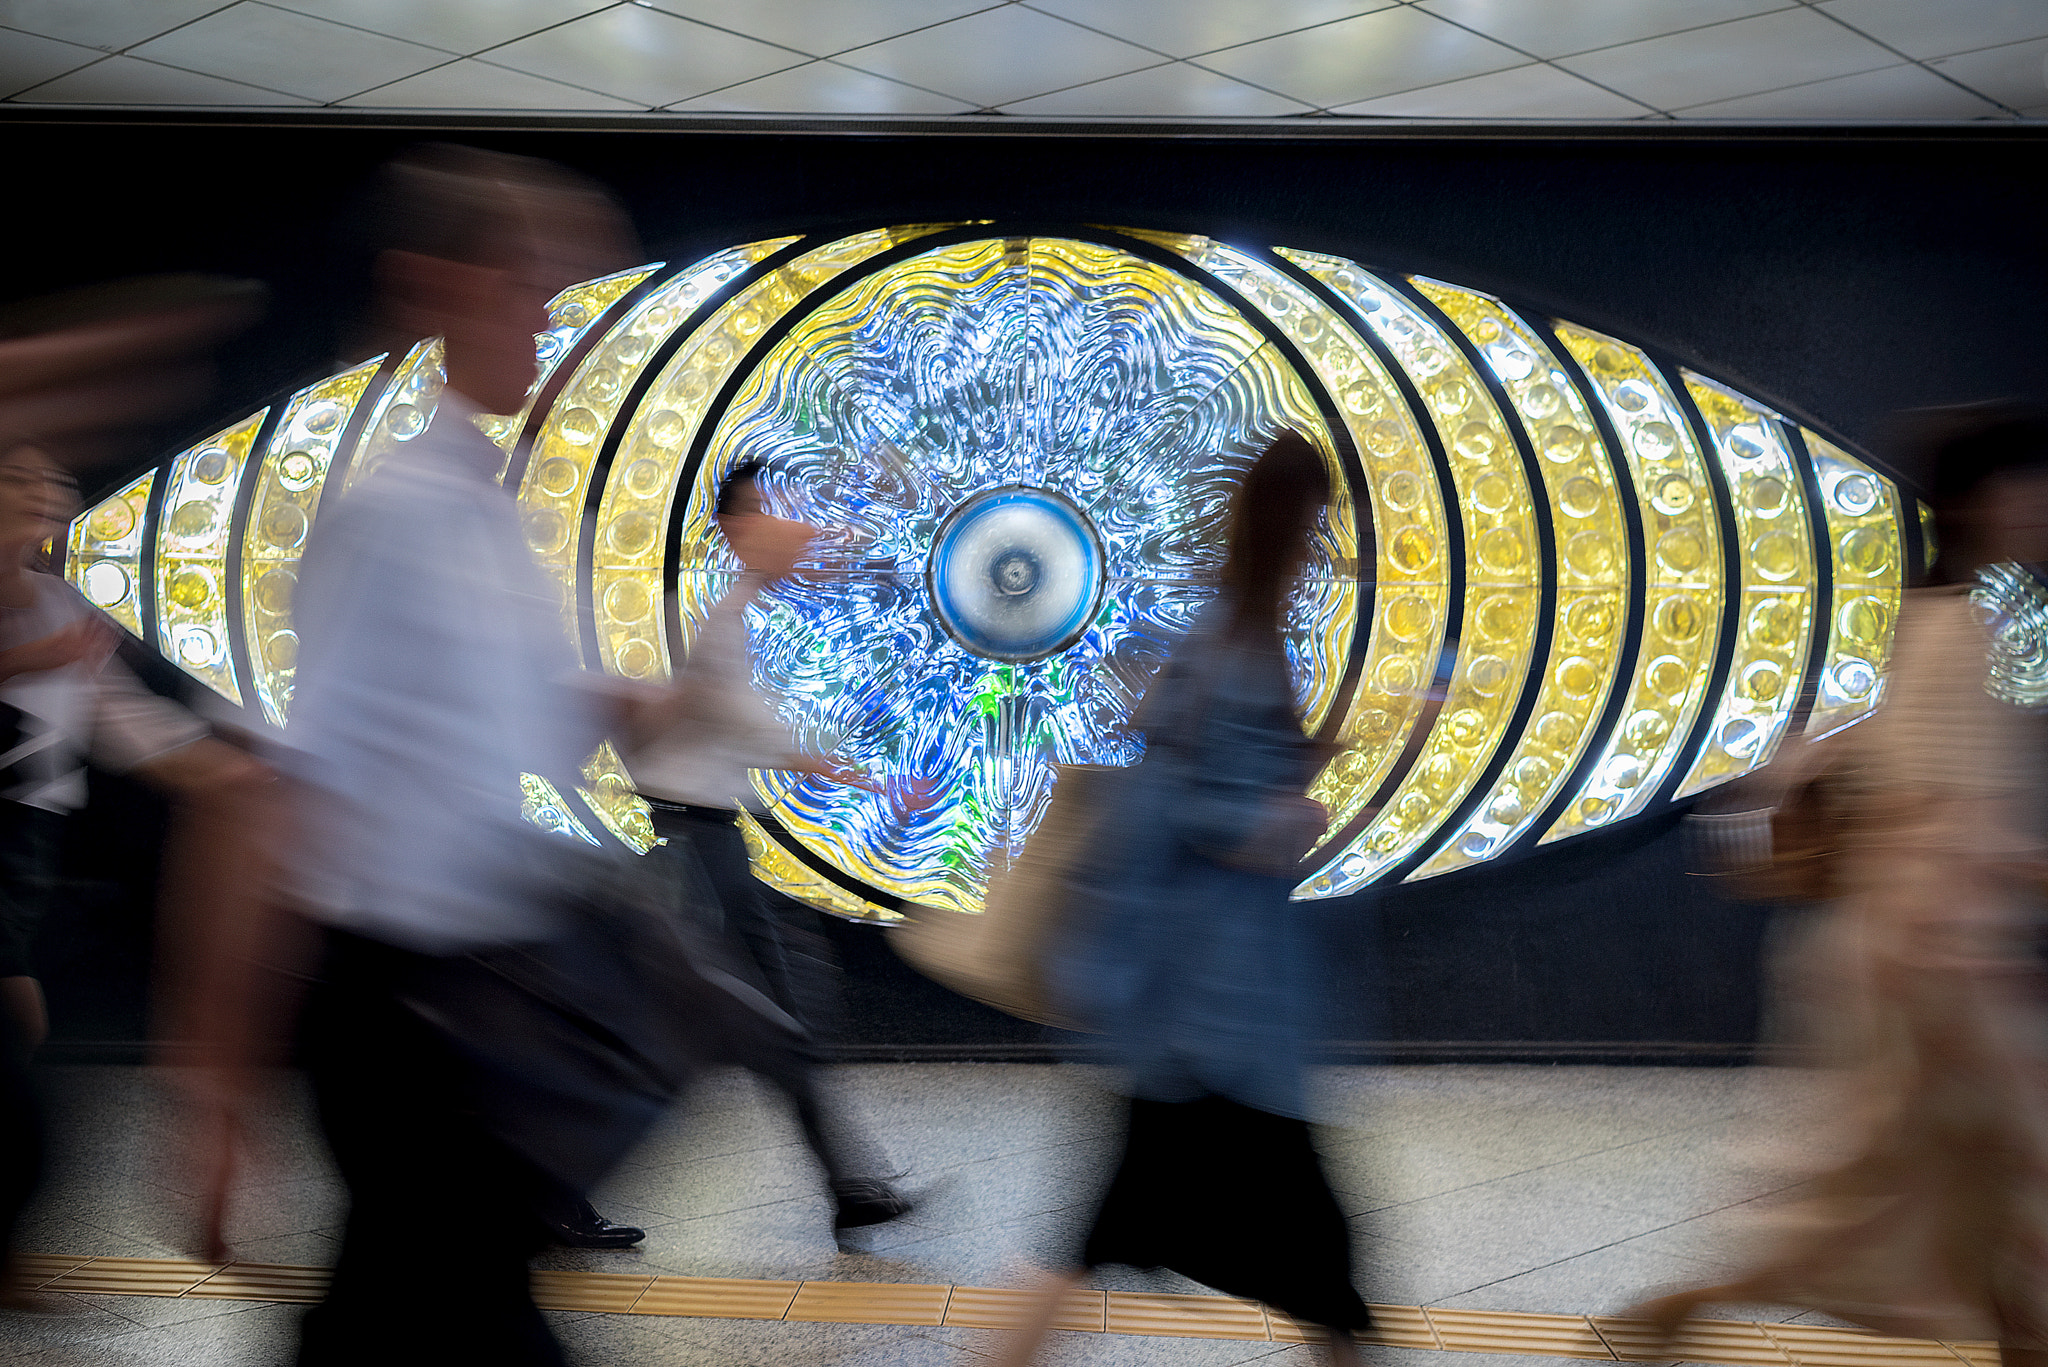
37 497
767 545
1985 468
471 245
1270 522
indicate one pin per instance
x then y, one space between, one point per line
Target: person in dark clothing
1204 980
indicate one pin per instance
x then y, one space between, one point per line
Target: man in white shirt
433 671
694 771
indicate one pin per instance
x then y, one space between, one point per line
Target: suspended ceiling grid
1573 60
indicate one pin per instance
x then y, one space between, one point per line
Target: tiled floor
1535 1189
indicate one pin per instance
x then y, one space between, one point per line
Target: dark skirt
1235 1199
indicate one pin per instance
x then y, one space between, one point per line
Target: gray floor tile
264 1336
59 1324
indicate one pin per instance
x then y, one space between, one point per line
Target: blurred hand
88 642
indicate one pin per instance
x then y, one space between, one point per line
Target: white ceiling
1168 59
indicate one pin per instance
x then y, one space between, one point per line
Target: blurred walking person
75 371
1187 955
1921 983
701 740
434 669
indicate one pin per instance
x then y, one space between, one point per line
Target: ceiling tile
27 60
1000 56
277 49
1525 92
469 27
822 29
824 88
1789 47
126 80
1920 29
1562 26
2016 74
1357 59
106 24
471 84
1188 27
642 55
1905 91
1173 90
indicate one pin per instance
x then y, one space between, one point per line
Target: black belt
726 814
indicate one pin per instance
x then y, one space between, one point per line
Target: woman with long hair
1201 975
1921 982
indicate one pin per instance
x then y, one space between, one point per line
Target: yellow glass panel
557 481
1862 511
1930 543
541 803
192 555
103 551
1592 570
1410 538
1683 605
1502 578
640 491
404 409
787 874
611 797
570 314
288 484
1775 550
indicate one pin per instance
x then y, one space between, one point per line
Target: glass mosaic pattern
1774 596
1589 568
1486 463
281 512
1681 624
1868 555
103 553
192 555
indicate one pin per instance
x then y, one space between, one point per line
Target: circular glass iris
1016 574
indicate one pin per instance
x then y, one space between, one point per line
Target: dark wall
1840 274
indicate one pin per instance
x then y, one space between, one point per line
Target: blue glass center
1016 573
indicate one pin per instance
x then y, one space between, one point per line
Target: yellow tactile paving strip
1596 1338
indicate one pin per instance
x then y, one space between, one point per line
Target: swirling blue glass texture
1131 394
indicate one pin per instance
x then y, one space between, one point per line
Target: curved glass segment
1591 566
402 410
1682 607
1501 575
1410 566
1774 546
103 551
626 562
1115 393
557 480
1868 559
287 498
192 555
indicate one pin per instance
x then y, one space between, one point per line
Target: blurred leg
21 1134
1048 1288
393 1104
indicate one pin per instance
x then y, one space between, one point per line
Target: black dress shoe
585 1228
866 1203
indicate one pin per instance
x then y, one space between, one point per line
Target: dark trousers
21 1133
442 1217
28 868
794 979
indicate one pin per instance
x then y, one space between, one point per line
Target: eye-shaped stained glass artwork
1522 620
